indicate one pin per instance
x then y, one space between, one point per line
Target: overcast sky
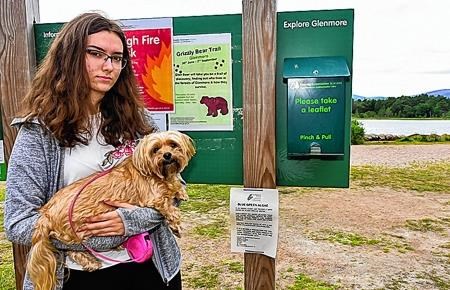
401 47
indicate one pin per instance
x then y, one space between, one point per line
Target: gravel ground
378 213
405 259
398 155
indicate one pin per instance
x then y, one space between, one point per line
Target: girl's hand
105 224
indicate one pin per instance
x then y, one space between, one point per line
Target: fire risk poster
149 42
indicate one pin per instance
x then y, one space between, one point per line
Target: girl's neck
95 99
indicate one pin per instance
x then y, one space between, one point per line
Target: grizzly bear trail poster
202 77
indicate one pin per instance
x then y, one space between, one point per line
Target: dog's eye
173 145
155 149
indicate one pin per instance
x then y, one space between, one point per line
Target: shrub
357 133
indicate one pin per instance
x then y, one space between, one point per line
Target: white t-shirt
83 160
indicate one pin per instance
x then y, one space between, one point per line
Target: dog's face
163 154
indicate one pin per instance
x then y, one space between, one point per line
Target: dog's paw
177 233
182 195
176 230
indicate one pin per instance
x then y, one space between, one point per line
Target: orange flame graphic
157 78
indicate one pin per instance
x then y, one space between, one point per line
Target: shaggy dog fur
148 178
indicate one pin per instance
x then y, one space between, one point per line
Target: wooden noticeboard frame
17 64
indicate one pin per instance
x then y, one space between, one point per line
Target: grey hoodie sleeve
27 185
139 219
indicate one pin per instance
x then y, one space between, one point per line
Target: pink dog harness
139 247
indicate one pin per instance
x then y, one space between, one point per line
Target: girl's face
104 52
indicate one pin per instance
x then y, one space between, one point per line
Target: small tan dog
148 178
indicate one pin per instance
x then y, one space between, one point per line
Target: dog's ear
187 145
143 156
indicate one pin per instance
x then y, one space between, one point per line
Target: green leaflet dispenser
315 106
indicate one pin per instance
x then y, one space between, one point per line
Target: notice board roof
313 67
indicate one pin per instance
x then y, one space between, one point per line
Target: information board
219 157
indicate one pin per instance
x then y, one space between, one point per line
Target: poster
150 44
254 220
203 89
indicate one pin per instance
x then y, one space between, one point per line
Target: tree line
420 106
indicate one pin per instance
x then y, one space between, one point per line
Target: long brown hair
59 94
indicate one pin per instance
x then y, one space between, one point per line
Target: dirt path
404 259
393 256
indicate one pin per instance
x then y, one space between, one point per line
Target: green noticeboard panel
313 97
309 34
219 156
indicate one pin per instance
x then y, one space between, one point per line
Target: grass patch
7 276
356 240
303 282
234 266
351 239
206 278
431 177
427 225
344 238
401 247
395 284
205 197
2 191
212 230
445 246
2 217
438 281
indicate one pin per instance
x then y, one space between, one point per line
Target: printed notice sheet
203 95
160 121
2 155
254 220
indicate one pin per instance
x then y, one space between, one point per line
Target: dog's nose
167 155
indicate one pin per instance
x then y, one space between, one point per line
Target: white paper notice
2 155
160 120
254 220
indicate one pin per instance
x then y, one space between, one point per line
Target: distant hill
444 92
360 98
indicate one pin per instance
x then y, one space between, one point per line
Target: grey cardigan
35 173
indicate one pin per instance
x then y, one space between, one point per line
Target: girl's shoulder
31 128
148 117
19 121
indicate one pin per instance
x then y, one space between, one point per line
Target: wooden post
17 66
259 58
